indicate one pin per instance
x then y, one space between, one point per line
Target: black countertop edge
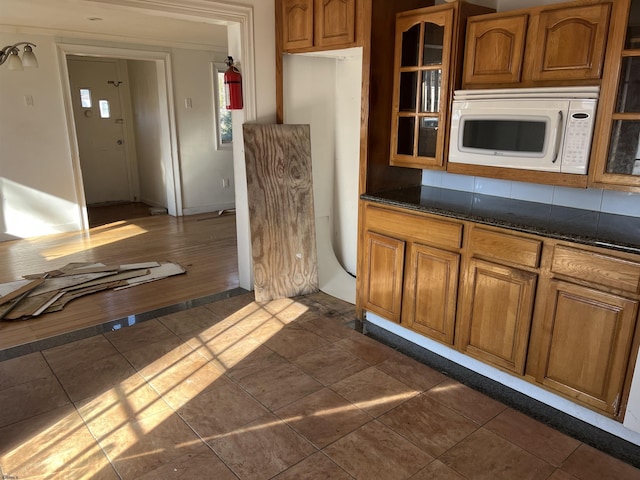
587 227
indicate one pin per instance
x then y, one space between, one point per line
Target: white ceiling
71 18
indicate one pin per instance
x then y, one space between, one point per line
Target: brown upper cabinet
615 156
309 25
551 45
427 68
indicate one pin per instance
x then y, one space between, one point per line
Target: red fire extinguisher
233 86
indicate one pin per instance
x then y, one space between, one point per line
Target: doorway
113 169
100 115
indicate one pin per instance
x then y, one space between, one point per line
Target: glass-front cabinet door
420 93
616 153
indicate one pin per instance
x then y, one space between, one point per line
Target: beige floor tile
317 467
467 401
535 437
219 410
328 328
364 347
587 463
429 424
223 333
291 342
201 464
560 475
279 386
156 357
411 372
375 451
139 336
330 364
129 402
323 417
187 322
86 380
57 441
238 364
486 456
139 447
31 398
224 308
437 470
374 391
86 351
22 370
186 379
261 449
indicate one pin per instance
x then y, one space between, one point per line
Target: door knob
119 142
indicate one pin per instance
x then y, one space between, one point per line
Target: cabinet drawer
501 246
597 268
414 227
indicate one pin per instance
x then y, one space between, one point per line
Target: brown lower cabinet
496 314
561 315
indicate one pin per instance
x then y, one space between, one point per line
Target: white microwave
543 129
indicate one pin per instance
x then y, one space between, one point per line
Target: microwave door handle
558 136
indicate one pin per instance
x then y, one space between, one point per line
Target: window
105 109
85 98
223 116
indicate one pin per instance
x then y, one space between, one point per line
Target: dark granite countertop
616 232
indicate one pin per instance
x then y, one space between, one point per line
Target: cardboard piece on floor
29 305
166 269
60 303
27 287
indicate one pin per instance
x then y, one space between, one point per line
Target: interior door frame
128 134
240 28
162 61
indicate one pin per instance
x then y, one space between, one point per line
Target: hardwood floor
204 244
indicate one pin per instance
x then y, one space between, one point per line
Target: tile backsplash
609 201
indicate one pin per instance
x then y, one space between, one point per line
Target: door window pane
624 152
428 137
633 27
105 109
629 89
408 91
410 44
85 98
433 44
430 100
406 127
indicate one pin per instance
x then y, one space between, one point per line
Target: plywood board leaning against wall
281 213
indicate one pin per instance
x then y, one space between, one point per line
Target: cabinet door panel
430 292
497 314
297 25
586 345
495 50
335 22
423 46
570 43
384 257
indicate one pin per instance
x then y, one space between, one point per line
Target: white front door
95 93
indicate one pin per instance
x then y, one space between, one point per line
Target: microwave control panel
578 135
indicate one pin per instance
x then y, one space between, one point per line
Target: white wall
143 86
36 177
203 165
37 190
324 92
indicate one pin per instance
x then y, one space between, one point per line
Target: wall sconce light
10 55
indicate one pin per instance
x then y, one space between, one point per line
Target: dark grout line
109 326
